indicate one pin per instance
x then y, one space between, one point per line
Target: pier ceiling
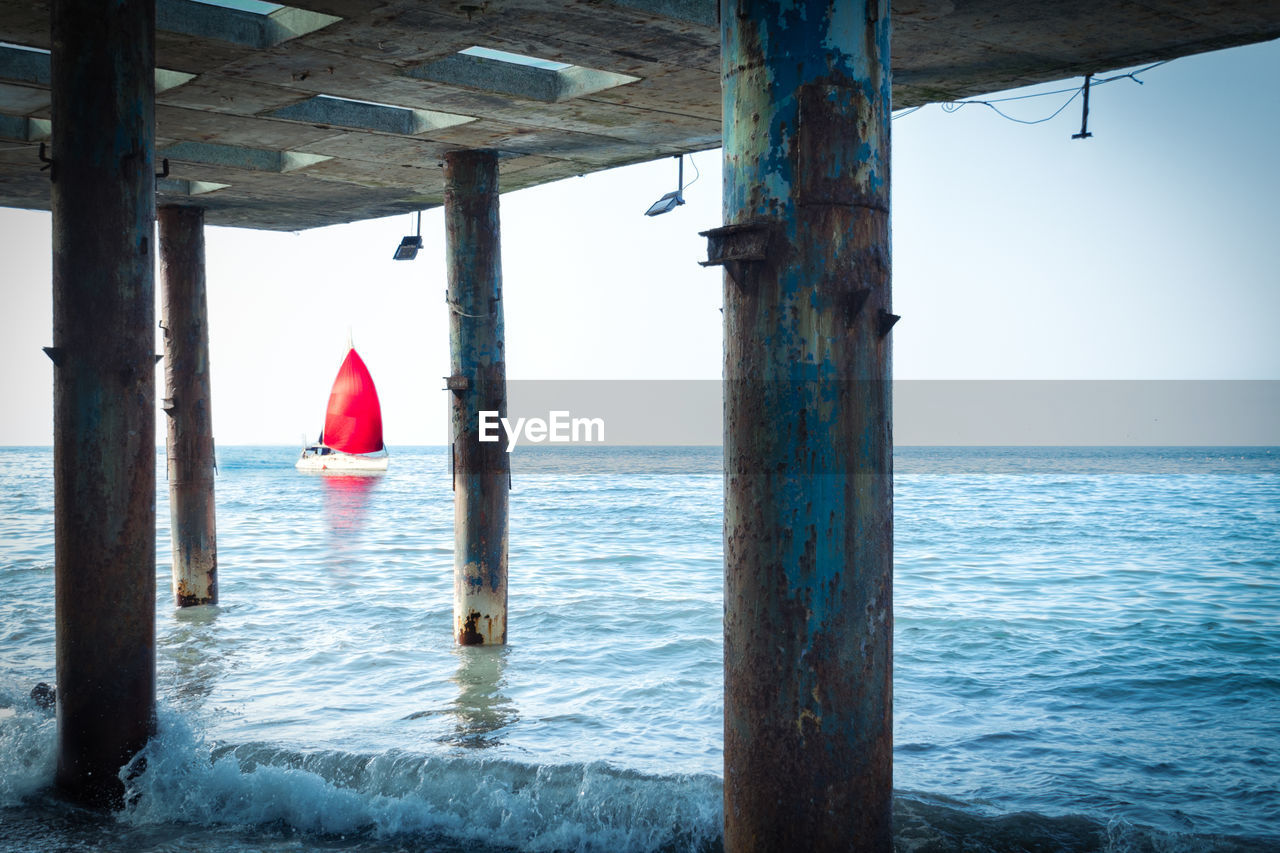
287 117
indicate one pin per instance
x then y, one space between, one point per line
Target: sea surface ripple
1086 655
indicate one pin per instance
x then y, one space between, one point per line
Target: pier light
409 246
673 199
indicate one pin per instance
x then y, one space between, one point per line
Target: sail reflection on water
346 509
346 501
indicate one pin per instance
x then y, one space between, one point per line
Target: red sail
353 422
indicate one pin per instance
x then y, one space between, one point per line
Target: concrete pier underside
262 120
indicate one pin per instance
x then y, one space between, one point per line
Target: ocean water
1087 657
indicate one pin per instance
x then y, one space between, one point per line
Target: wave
259 796
925 823
28 748
494 803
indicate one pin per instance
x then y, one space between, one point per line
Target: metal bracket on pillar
457 309
453 306
733 246
885 321
851 302
48 162
457 384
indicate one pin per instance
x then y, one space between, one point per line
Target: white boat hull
328 459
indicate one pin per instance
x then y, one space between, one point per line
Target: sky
1150 251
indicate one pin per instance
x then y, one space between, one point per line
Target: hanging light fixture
409 246
671 200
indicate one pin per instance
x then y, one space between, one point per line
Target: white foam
591 808
1123 836
28 751
584 807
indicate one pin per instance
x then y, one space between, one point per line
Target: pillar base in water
103 204
481 470
187 406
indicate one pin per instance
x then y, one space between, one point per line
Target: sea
1087 658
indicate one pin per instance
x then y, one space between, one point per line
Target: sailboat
352 436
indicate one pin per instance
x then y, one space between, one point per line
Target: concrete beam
248 28
541 81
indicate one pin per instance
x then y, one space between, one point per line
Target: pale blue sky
1151 251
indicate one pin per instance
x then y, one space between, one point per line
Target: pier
478 383
102 193
341 111
187 404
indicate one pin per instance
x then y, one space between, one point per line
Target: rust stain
469 636
807 494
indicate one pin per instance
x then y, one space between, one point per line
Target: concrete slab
381 51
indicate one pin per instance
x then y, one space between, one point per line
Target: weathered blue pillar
187 406
481 470
104 450
808 473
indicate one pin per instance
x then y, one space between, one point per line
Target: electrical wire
1131 74
956 106
1052 115
697 173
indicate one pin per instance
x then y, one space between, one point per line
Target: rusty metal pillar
808 468
189 438
104 450
481 470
